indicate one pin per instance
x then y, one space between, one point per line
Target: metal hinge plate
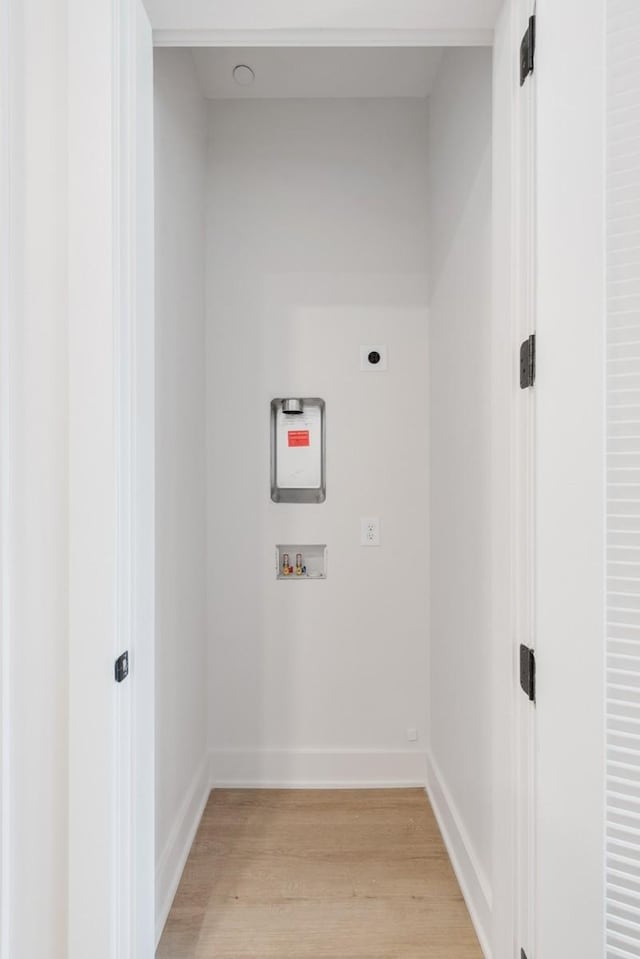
528 362
527 50
528 673
122 667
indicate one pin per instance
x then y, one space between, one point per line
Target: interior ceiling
312 72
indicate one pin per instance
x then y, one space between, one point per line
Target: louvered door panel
623 480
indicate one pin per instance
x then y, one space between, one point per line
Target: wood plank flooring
308 874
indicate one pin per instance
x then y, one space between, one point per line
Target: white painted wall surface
181 676
317 243
35 611
460 325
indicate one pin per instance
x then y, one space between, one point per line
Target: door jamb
6 405
507 478
317 37
524 450
134 371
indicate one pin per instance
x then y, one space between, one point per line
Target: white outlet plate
365 363
369 531
412 735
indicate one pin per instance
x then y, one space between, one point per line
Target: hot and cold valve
288 570
301 561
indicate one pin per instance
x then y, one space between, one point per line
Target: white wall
460 756
35 542
181 723
317 243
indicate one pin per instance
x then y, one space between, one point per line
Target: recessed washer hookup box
300 561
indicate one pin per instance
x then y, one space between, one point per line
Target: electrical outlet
369 531
412 735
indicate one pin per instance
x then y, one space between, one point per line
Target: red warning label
298 437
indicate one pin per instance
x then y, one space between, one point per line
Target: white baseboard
174 855
473 882
317 768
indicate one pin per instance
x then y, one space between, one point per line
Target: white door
524 446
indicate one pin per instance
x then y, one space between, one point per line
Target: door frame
525 505
105 469
93 309
111 503
6 397
512 556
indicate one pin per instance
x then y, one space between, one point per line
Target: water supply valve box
301 561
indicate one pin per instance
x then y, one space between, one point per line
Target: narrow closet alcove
314 207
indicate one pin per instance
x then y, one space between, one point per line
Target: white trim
92 318
317 768
323 38
5 485
524 492
505 395
473 882
142 486
173 858
124 169
134 449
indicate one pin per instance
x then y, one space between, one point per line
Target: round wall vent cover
243 75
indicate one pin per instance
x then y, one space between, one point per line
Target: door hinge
527 50
122 667
528 672
528 362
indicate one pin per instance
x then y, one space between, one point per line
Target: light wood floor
306 874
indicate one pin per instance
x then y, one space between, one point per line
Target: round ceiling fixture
243 75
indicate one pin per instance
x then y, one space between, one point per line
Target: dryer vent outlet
292 406
374 358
